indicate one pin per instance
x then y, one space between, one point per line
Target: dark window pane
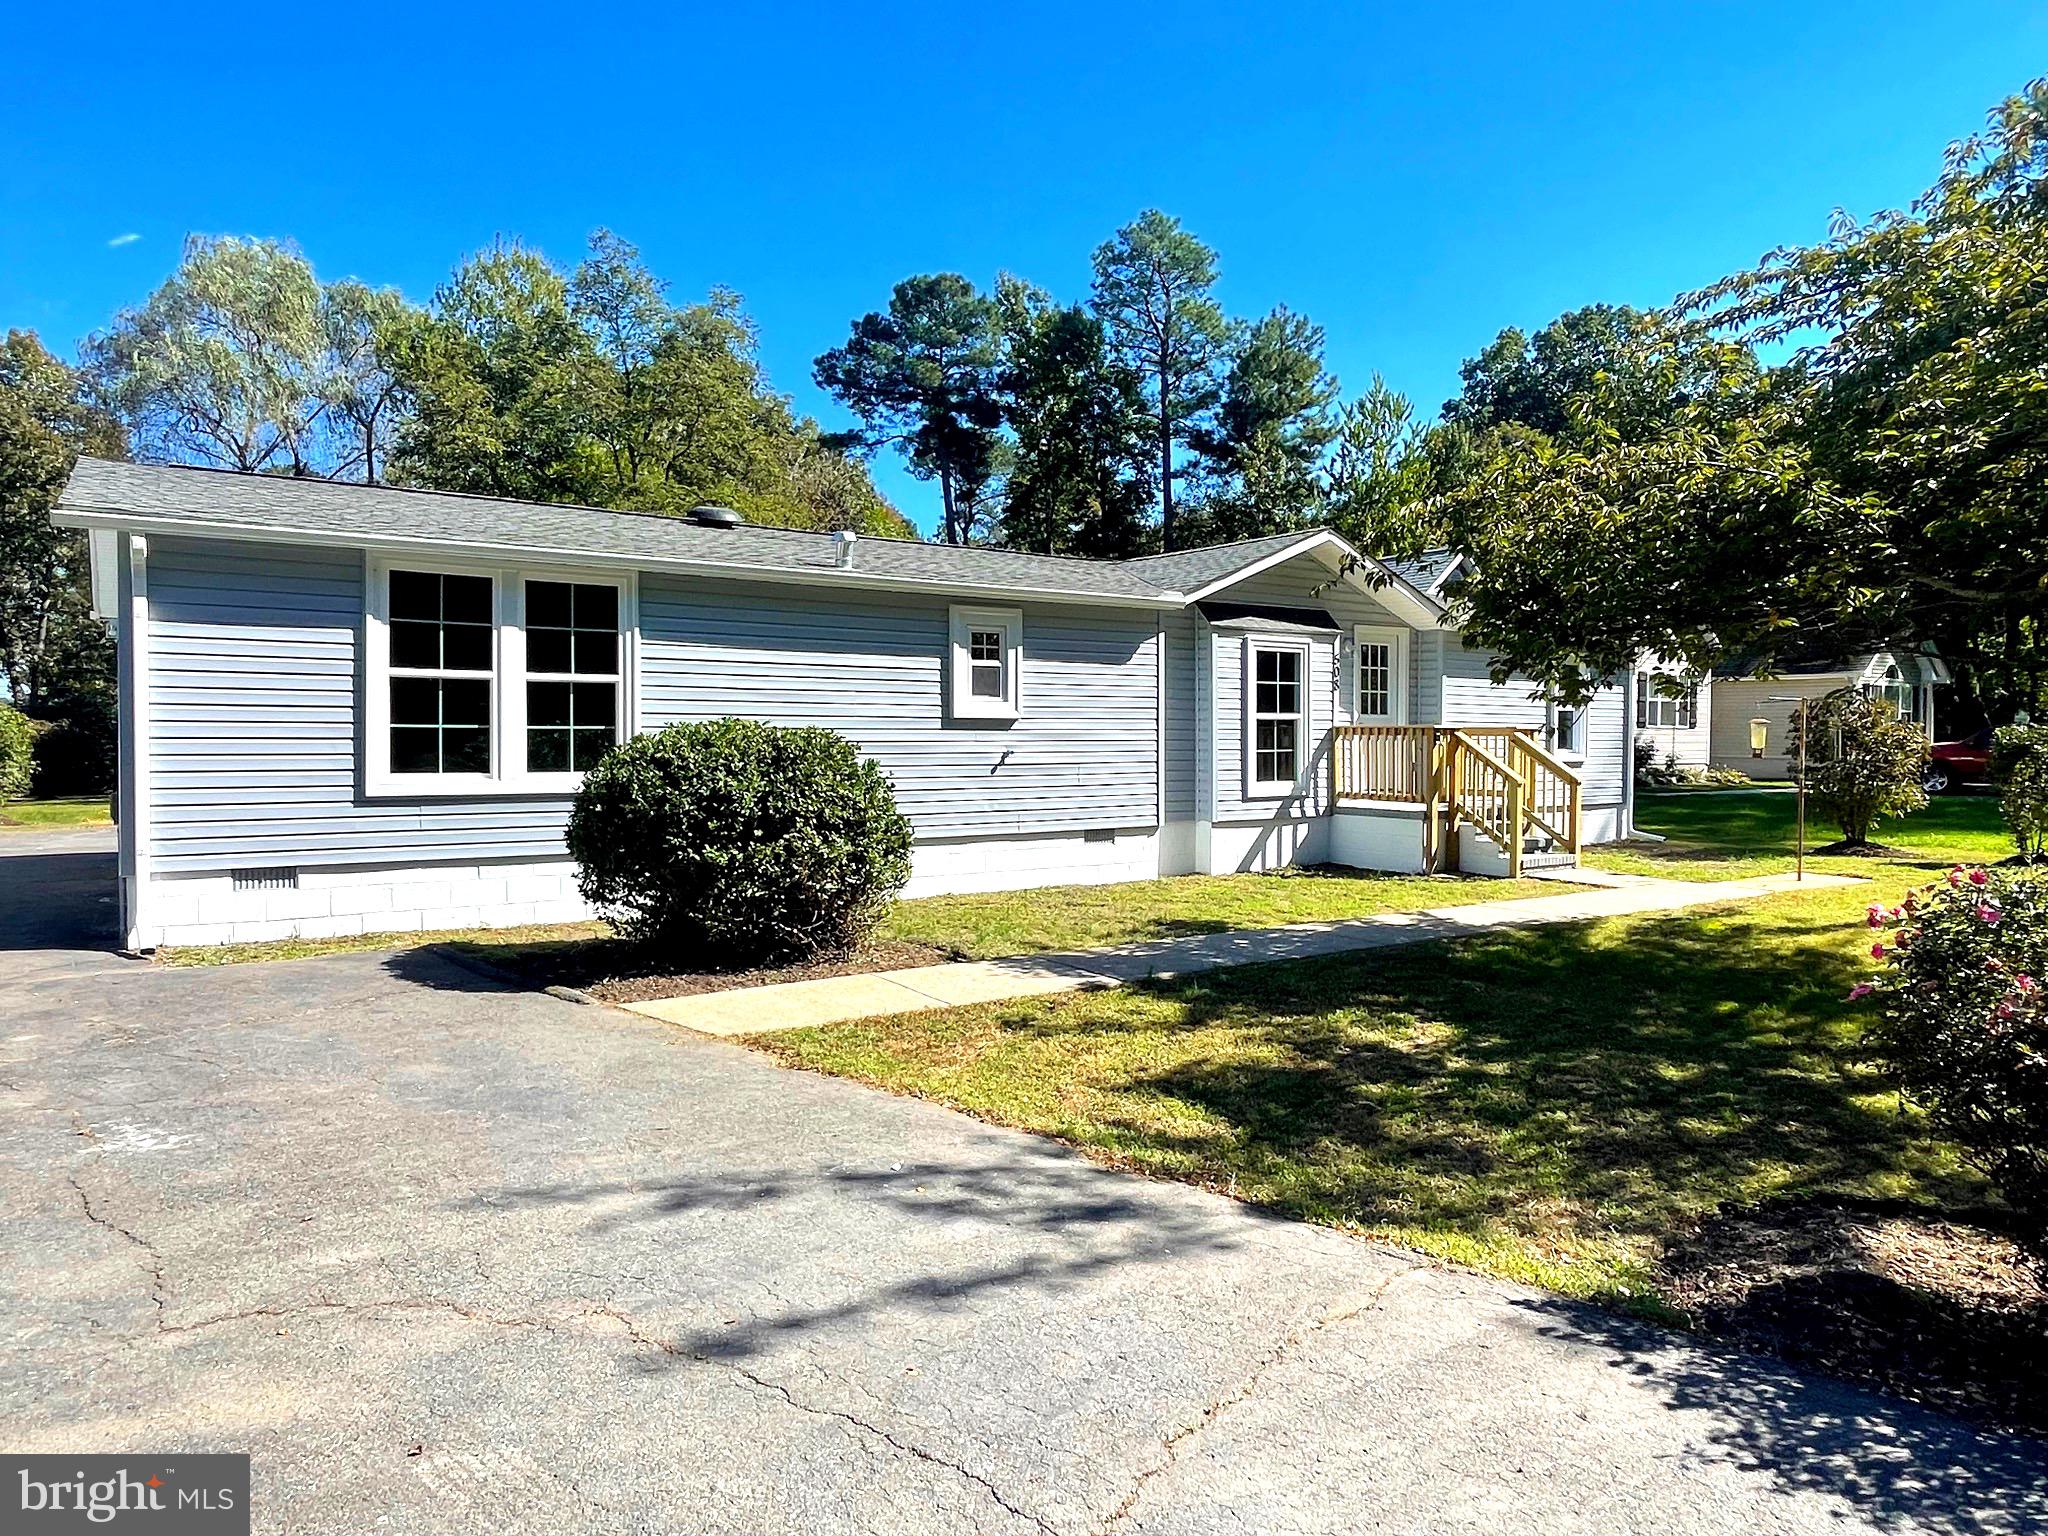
466 702
547 703
415 595
597 704
597 651
590 746
415 701
1290 699
1267 701
1268 665
547 751
415 644
466 599
414 749
547 604
985 680
597 608
547 650
1283 739
466 749
466 647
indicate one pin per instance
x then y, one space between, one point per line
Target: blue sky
1412 181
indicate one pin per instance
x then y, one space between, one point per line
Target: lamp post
1799 779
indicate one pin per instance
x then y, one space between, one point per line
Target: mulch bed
1947 1312
1842 850
615 971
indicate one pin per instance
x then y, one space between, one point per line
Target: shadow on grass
1587 1079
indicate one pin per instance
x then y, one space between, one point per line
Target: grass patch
1548 1105
73 811
506 939
990 926
999 923
1731 836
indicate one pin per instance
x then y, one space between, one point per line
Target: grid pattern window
1658 708
1375 679
985 663
572 675
1277 695
442 673
987 651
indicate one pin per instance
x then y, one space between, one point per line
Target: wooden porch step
1551 860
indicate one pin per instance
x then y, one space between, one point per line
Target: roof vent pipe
708 516
842 554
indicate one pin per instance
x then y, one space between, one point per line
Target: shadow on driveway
1899 1467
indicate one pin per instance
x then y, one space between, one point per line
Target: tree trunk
946 495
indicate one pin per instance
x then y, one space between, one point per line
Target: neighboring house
1906 678
353 708
1674 714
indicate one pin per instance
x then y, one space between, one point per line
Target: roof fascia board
88 518
1407 600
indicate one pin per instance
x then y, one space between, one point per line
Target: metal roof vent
708 516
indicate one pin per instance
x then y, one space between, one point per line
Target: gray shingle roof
1189 570
1425 570
146 495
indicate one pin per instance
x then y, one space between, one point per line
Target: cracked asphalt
446 1258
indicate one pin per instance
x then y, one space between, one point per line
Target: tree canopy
51 648
1886 485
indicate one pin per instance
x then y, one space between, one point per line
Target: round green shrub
1962 1026
17 753
1863 763
732 842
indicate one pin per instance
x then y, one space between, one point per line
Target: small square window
986 645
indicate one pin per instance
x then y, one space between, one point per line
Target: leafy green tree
1536 381
1273 424
365 402
223 364
52 650
1863 763
920 376
1077 483
1889 484
494 375
1381 475
590 386
1152 293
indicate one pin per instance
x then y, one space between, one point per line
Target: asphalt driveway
447 1258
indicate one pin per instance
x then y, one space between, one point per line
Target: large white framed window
482 680
985 663
1275 717
1380 675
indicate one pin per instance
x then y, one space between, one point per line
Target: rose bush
1961 1025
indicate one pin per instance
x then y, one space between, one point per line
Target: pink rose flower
1861 990
1978 877
1989 914
1877 951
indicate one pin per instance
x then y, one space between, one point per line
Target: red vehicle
1955 763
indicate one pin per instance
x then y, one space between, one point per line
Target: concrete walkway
837 999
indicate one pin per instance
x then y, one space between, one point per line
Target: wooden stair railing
1498 779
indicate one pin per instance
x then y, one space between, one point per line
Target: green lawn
1726 835
1548 1104
1023 922
1062 917
85 811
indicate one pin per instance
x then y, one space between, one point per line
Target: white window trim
1256 788
508 680
1396 638
1575 754
962 701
